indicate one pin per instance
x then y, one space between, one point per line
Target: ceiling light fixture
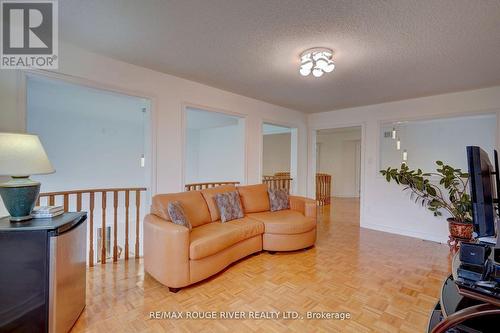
317 61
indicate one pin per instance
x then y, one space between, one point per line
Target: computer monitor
484 187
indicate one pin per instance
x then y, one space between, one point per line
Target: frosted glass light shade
321 64
330 67
304 71
317 72
317 61
22 155
305 68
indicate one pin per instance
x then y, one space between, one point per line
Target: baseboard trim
405 232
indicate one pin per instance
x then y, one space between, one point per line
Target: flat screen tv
484 186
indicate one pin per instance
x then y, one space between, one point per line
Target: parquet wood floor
388 283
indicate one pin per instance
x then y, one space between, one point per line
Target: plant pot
459 229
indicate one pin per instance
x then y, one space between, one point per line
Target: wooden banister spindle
103 228
66 202
50 198
137 216
78 202
325 189
322 189
91 231
115 225
127 201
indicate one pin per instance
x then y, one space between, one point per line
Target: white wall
216 154
276 153
192 155
384 206
442 139
10 120
337 157
169 95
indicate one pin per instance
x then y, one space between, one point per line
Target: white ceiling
385 50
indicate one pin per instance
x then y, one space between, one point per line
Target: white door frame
357 164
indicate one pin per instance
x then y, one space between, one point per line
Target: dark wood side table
43 273
461 310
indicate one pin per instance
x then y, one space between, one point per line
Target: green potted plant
449 195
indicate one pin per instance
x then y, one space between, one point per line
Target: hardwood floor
388 283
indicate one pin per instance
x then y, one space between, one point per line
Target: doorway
338 160
279 156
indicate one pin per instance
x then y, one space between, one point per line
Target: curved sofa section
178 257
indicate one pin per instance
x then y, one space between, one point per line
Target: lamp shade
22 155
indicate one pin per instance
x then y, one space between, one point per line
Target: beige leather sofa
178 257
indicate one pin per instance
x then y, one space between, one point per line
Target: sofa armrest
166 251
304 205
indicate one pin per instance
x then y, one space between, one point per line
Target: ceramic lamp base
19 197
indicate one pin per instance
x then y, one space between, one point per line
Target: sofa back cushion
254 198
209 195
194 206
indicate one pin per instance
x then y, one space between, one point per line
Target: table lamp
21 155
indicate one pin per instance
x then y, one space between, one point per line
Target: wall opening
214 147
279 153
95 139
420 143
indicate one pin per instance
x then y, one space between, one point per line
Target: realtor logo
29 34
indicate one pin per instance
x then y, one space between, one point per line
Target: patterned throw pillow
278 199
229 205
177 214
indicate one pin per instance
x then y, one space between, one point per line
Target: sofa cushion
254 198
214 237
209 195
278 199
177 215
229 205
192 202
284 222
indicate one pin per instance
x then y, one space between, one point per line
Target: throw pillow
278 199
177 214
229 205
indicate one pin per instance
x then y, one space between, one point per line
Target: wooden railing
285 174
50 199
202 186
323 188
278 182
